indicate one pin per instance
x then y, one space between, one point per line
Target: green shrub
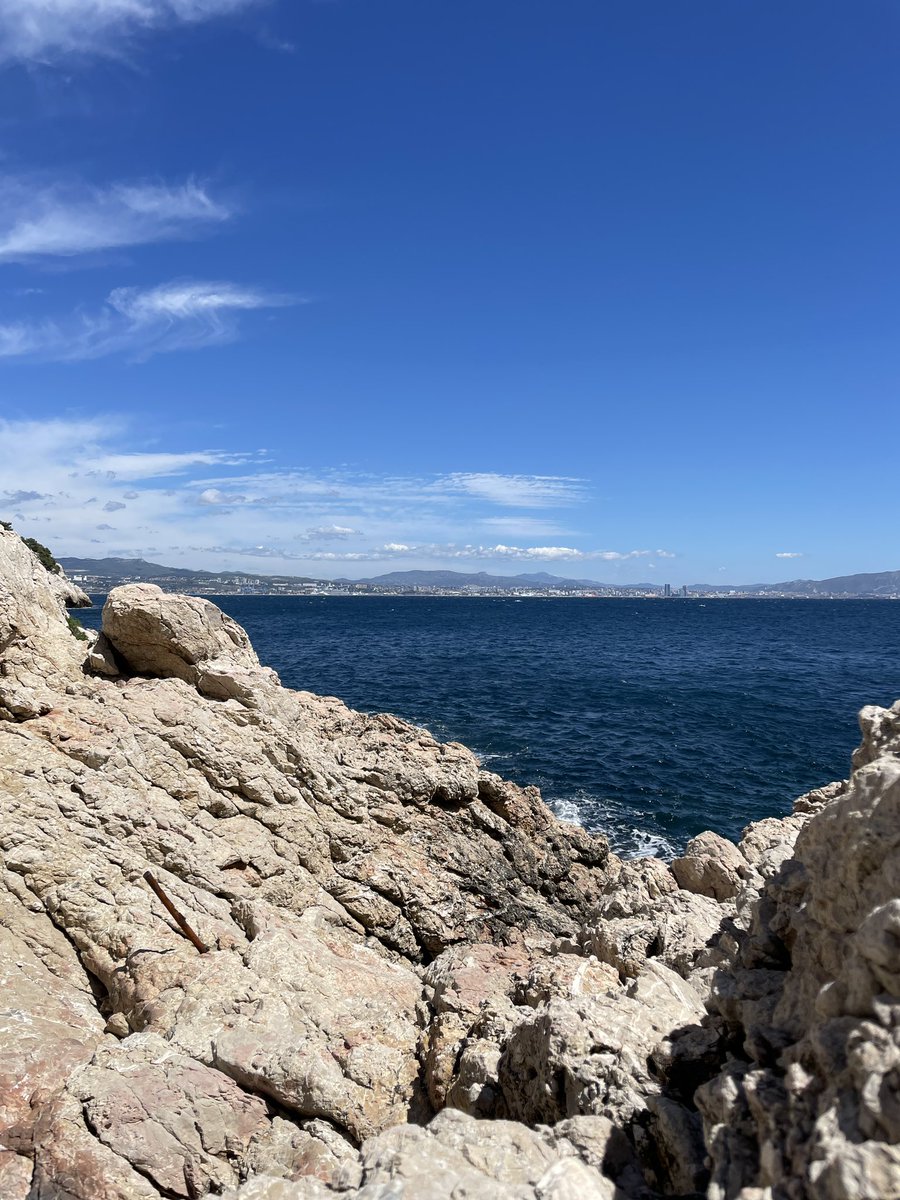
76 628
6 525
44 556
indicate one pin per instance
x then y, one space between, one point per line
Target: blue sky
338 287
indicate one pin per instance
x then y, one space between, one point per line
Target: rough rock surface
38 653
811 1106
711 866
417 983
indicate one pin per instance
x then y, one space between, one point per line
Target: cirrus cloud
515 491
431 551
215 509
44 30
141 322
39 221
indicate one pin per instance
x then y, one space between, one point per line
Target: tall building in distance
684 591
667 590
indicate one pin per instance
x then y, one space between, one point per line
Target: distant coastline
98 576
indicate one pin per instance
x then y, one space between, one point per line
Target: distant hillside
461 579
130 568
449 579
876 583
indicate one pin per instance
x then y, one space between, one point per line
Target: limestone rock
465 981
711 866
675 929
183 637
49 1022
101 657
391 930
880 728
69 594
323 856
39 656
814 990
457 1156
182 1126
590 1055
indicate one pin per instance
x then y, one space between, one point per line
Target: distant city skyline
336 289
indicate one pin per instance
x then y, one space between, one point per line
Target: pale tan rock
68 593
880 728
675 929
711 866
319 853
71 1161
457 1156
49 1022
183 637
39 656
634 885
271 1187
16 1171
590 1055
566 975
814 989
101 658
185 1128
463 982
768 844
378 909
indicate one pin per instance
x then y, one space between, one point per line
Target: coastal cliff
407 980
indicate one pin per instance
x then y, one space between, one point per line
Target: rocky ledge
255 944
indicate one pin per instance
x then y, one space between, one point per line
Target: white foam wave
567 810
626 839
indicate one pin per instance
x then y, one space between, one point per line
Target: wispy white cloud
216 498
789 554
326 533
516 525
158 464
41 221
291 489
42 30
515 491
138 323
212 508
432 551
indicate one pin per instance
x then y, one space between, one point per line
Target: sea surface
648 720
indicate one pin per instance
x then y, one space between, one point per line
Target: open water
649 720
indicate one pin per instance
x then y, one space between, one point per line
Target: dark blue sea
649 720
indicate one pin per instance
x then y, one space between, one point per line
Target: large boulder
711 866
183 637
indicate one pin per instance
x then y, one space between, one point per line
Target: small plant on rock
76 628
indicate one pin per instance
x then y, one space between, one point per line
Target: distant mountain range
876 583
131 568
139 568
114 570
462 579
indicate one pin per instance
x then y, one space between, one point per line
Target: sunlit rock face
416 983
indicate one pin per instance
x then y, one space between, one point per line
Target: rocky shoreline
419 984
